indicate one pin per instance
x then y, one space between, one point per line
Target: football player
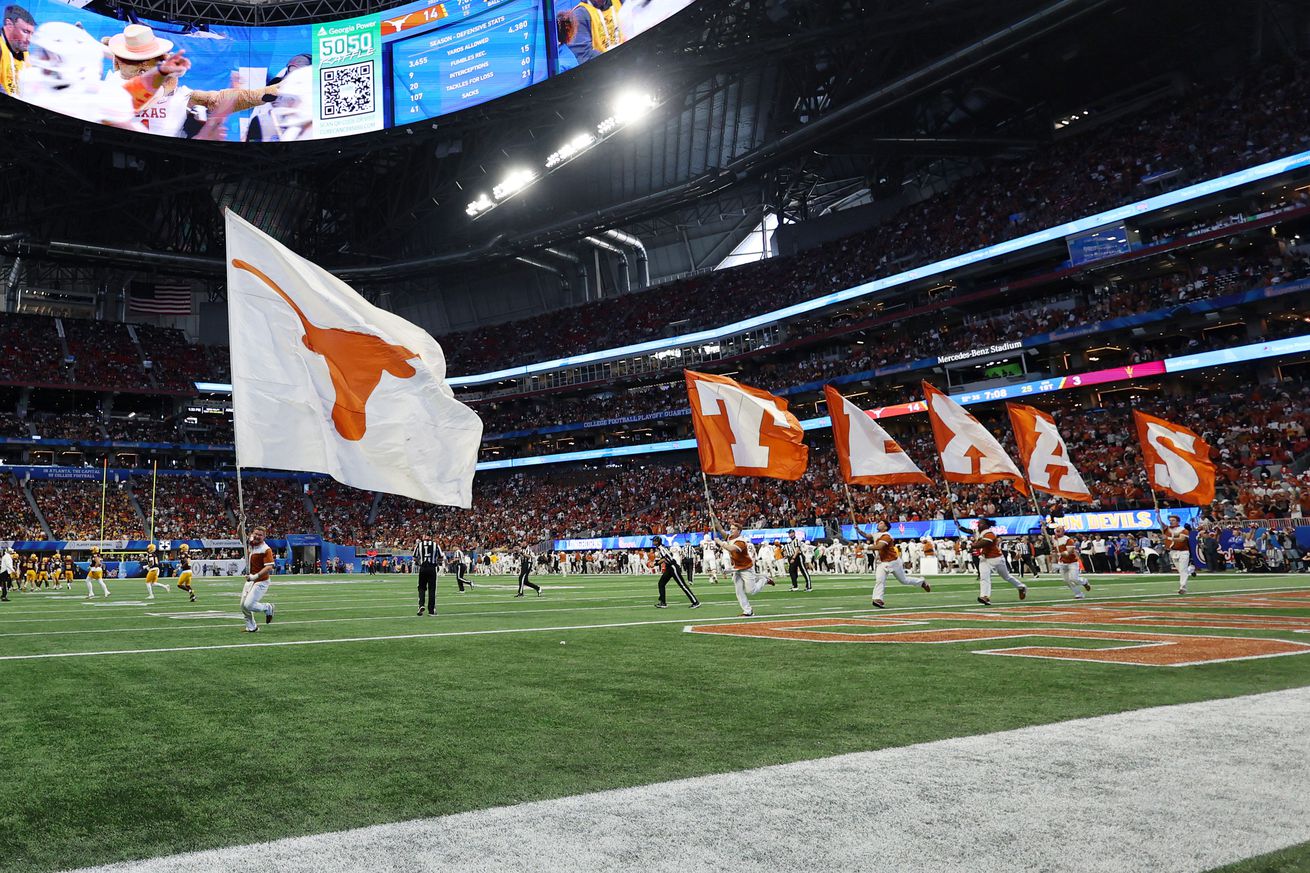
151 564
63 74
95 573
184 570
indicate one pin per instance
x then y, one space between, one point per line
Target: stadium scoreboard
479 52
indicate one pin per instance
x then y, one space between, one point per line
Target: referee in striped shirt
426 555
796 562
672 570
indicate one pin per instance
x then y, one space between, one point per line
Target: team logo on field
1127 633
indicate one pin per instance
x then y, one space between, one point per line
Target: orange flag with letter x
1044 454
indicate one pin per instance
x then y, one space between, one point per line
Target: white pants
747 582
1072 576
928 565
985 568
1183 564
897 569
251 597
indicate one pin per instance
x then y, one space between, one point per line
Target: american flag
159 299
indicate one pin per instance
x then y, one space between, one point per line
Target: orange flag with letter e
323 381
1177 459
969 453
1044 455
868 454
743 431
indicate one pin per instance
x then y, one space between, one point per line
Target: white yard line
372 602
1178 788
253 644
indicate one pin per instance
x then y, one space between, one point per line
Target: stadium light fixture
514 182
630 107
479 206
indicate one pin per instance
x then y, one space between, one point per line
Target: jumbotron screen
412 63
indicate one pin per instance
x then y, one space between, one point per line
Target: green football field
132 729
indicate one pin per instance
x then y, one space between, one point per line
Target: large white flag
867 454
323 381
969 453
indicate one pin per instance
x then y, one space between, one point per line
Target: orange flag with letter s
744 431
969 453
1177 459
1044 455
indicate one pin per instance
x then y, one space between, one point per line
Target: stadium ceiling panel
792 106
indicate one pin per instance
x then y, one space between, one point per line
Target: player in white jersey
710 560
63 74
946 555
1066 556
1177 542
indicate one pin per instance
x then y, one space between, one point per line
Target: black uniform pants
427 585
689 568
4 586
458 567
674 572
796 567
524 573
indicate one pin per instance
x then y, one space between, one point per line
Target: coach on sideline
426 555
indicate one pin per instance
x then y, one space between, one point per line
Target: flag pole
1041 520
850 503
705 480
241 516
104 488
154 485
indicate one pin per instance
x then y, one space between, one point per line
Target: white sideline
1178 788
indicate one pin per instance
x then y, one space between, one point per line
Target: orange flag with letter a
1044 455
868 454
969 453
1177 460
743 431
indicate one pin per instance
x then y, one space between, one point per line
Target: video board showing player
418 61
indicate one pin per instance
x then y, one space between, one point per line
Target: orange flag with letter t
323 381
969 452
743 431
1044 455
1177 460
868 454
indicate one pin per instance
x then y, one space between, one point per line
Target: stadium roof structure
790 107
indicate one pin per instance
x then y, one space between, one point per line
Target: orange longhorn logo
355 362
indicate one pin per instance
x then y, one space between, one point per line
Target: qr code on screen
346 91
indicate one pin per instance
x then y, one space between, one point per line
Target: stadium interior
1093 206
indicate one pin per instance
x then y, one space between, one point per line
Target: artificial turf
116 756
